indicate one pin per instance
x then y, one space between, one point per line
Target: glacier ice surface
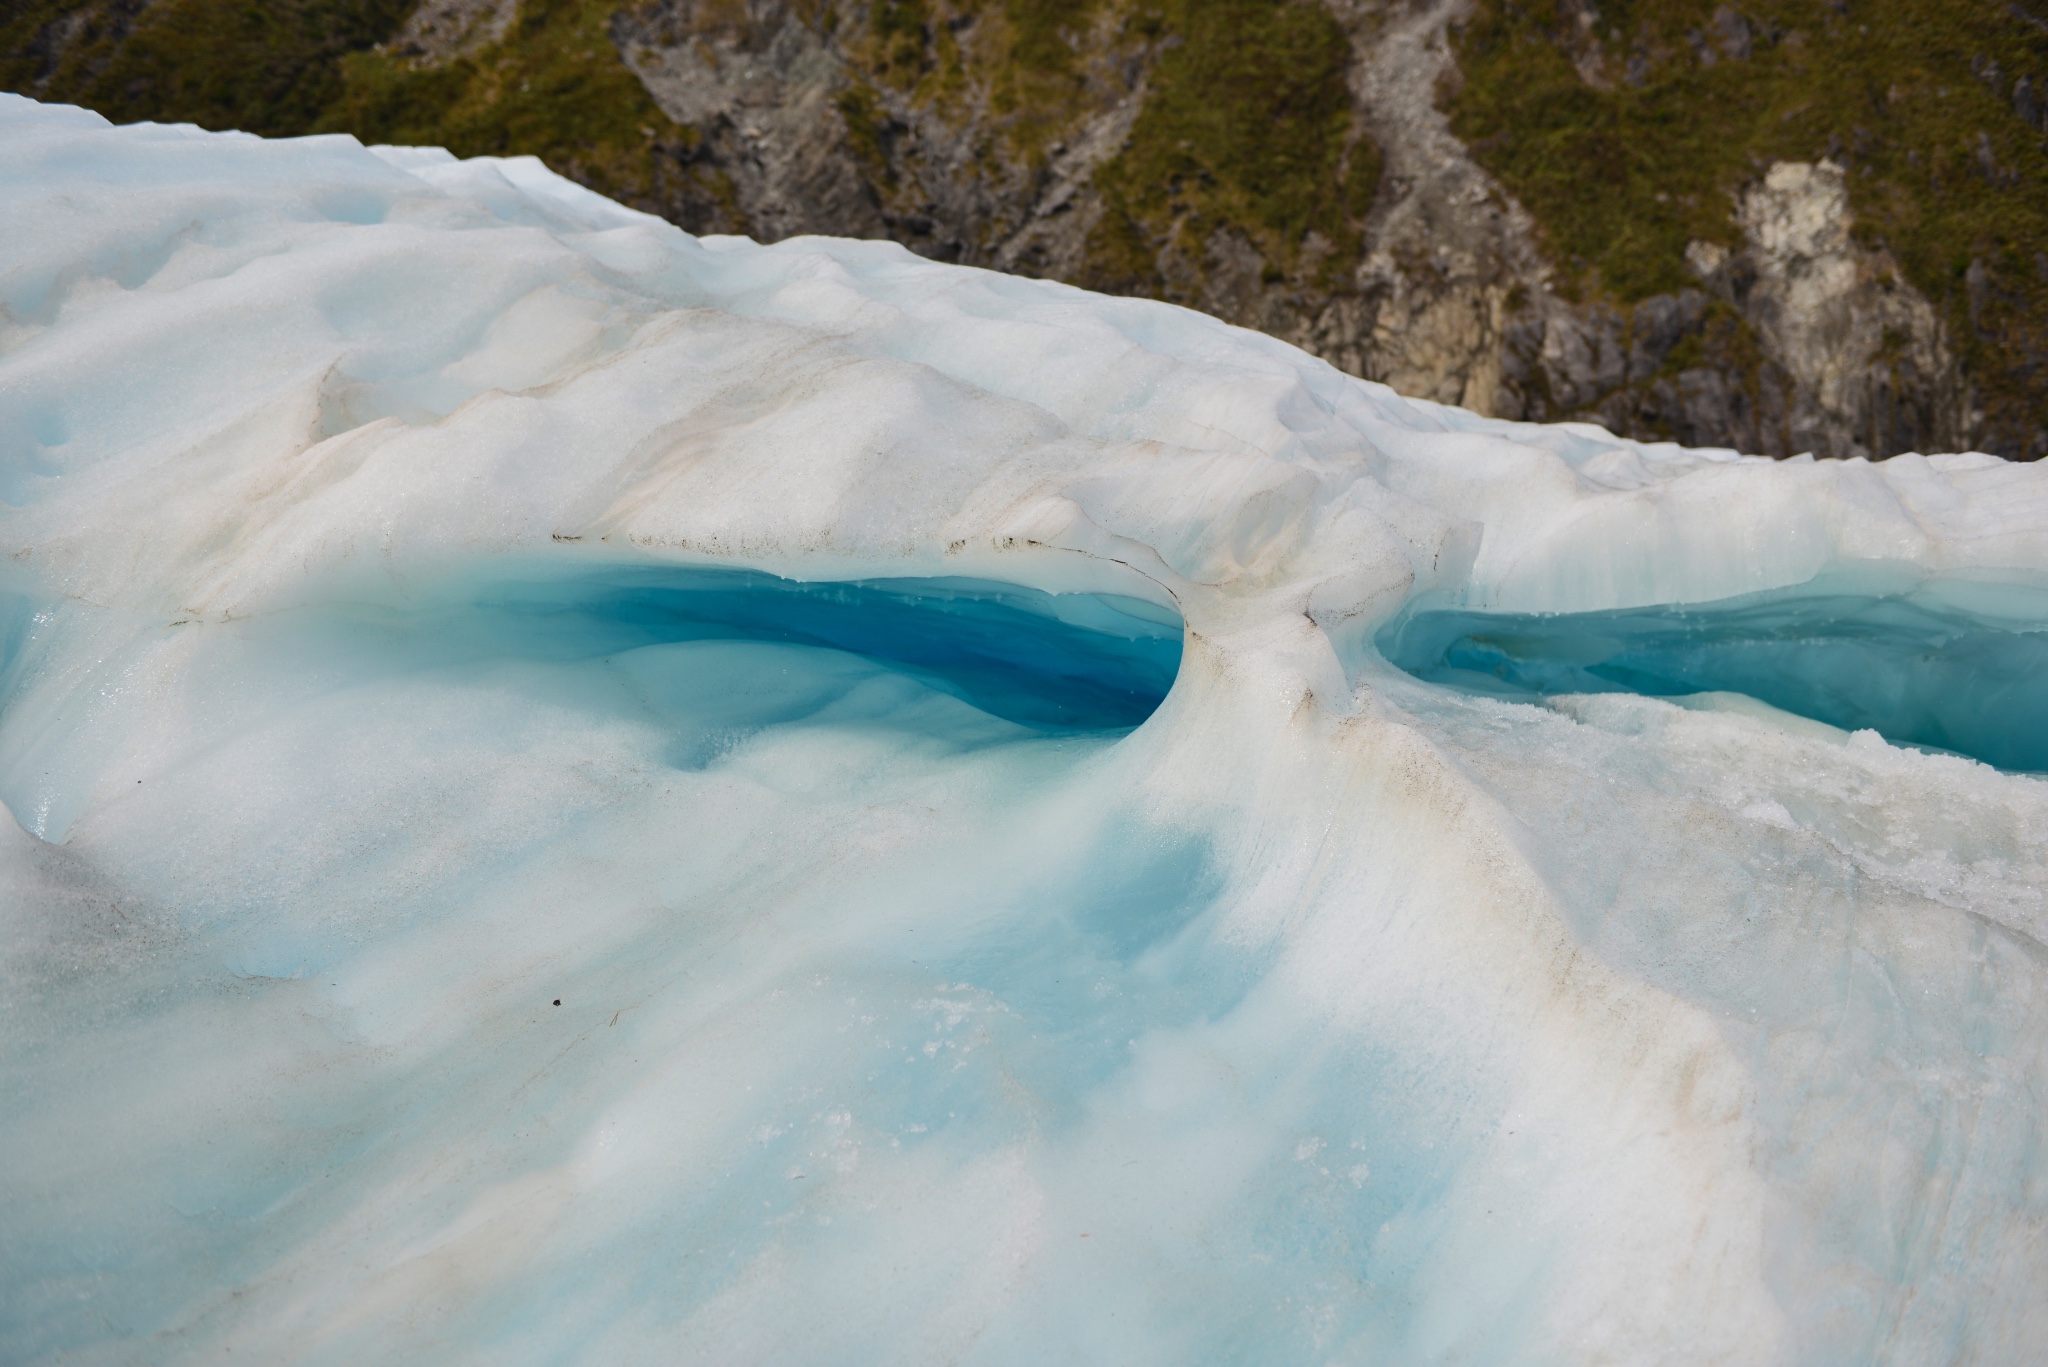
1060 830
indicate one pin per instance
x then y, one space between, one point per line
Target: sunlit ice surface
583 794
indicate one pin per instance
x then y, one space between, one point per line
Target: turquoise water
1073 662
1955 665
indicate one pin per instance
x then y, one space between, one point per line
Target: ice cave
582 794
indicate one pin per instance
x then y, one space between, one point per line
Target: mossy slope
1247 127
264 66
554 87
1629 130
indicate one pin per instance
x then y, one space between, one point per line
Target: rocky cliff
1788 227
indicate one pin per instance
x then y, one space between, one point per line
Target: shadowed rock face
440 30
1869 365
1285 165
800 136
1848 359
762 88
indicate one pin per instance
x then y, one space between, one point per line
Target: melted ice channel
585 794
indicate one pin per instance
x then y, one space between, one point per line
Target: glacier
586 794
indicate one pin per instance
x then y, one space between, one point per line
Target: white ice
1327 1016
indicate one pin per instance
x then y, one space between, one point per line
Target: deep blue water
1954 667
1069 662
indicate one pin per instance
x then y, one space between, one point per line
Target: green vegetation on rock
263 66
1247 125
554 87
1628 130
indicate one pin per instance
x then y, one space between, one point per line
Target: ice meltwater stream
1953 664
